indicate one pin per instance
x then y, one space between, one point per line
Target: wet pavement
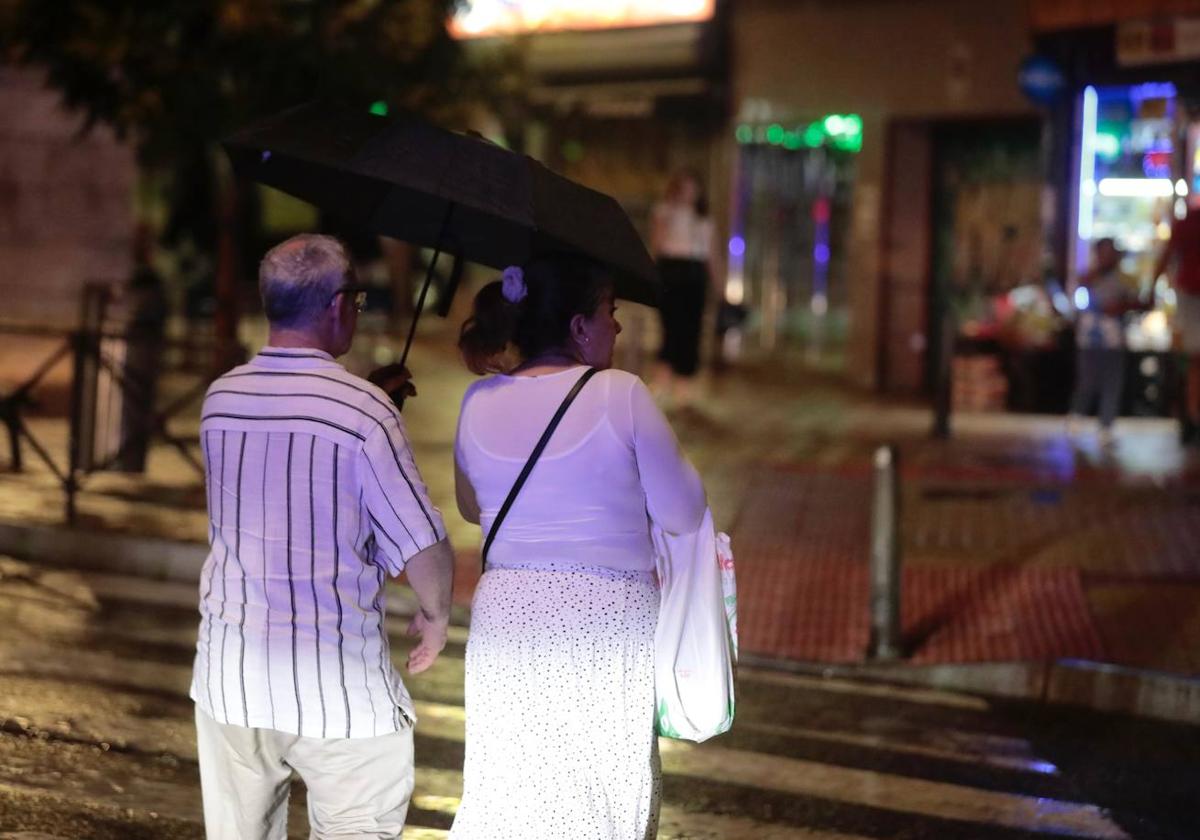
96 741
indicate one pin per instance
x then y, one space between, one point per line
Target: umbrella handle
437 252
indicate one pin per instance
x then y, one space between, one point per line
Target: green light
852 125
744 133
1108 146
835 124
848 143
791 140
572 151
379 109
775 134
814 135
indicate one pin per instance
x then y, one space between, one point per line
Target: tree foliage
172 75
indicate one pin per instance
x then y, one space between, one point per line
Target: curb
1099 686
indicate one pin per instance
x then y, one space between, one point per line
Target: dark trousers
685 284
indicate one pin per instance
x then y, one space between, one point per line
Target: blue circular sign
1041 79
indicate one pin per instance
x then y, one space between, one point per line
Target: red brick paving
990 574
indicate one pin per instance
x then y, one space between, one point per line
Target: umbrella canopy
402 177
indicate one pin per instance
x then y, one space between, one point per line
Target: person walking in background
314 501
560 654
145 302
1100 337
681 239
1184 249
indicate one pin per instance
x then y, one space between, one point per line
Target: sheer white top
612 462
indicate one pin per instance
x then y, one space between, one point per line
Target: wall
66 204
884 60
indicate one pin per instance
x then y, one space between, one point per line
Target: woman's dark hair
558 287
688 173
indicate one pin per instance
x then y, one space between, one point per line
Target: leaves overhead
174 75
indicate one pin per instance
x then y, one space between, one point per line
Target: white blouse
612 462
682 233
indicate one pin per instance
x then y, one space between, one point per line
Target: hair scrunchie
512 284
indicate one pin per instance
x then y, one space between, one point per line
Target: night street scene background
969 608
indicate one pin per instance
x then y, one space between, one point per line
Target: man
1184 245
314 500
1100 337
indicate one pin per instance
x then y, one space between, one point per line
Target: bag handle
533 457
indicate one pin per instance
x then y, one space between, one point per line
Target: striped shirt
313 501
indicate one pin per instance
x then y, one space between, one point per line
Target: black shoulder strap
537 452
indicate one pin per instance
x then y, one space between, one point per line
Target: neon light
484 18
1153 90
1087 163
1181 188
821 253
1136 187
737 246
1082 298
744 133
1108 146
835 124
775 134
814 135
379 109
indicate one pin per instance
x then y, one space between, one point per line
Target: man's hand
396 380
433 640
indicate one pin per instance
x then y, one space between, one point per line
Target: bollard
885 556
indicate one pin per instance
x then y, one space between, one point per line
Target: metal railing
104 395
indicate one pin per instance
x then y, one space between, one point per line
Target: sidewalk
1021 547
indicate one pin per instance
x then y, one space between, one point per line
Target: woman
560 657
681 237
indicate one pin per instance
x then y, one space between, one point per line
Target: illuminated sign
483 18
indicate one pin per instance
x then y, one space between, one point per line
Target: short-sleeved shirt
1096 329
314 500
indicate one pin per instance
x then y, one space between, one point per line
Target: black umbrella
402 177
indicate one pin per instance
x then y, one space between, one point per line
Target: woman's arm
464 493
674 493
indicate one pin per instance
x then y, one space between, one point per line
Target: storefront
616 96
1125 165
791 196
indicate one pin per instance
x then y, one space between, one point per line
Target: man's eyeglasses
359 293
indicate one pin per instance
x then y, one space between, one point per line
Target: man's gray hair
298 277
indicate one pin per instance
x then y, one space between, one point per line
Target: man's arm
1164 259
431 576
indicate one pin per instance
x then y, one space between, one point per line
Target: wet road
96 741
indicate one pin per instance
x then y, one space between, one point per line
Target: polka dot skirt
560 707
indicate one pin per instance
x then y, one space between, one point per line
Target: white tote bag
695 644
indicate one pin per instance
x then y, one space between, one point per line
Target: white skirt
560 707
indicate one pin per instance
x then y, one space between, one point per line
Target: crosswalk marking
843 686
966 748
884 790
721 767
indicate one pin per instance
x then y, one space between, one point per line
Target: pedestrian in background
1184 249
560 701
681 239
1100 337
314 501
145 302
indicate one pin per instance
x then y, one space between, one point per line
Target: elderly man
314 501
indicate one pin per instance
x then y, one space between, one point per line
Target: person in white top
681 238
314 501
559 664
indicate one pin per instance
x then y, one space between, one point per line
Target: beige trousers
357 787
